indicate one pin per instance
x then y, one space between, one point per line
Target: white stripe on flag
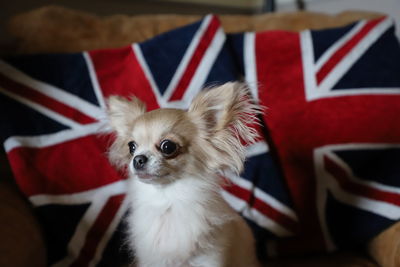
256 149
353 56
250 67
307 54
338 44
276 204
42 109
204 68
325 182
51 91
146 70
88 196
45 140
109 233
77 241
180 71
93 78
255 216
97 198
263 196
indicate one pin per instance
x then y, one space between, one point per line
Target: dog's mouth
148 177
145 176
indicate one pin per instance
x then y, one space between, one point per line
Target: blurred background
131 7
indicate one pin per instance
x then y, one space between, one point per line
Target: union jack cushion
333 105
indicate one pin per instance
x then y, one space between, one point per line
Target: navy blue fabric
378 68
68 72
352 228
59 223
323 39
160 56
24 120
236 45
262 171
376 165
224 71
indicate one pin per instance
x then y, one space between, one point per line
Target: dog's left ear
224 115
122 112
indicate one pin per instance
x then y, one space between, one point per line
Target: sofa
56 29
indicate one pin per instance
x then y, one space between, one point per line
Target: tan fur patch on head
163 124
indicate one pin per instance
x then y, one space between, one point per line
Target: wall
390 7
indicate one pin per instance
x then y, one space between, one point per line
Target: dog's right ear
122 112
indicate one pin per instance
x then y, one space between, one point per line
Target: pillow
56 102
332 118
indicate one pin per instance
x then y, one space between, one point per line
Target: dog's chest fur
174 222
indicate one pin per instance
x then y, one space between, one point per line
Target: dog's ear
122 112
224 115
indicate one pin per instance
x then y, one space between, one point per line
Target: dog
175 159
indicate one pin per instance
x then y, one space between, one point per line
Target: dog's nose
139 162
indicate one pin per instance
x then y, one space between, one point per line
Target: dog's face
164 145
161 144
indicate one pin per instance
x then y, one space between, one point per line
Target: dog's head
164 145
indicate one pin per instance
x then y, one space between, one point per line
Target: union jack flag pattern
335 137
52 108
333 99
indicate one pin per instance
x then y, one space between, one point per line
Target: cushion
59 159
332 99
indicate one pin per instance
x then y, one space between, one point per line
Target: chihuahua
175 159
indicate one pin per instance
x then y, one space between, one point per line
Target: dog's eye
168 147
132 147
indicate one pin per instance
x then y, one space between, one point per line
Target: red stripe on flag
66 168
345 49
98 230
275 215
197 56
44 100
120 73
358 189
237 191
262 207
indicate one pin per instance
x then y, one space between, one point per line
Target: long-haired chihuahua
175 159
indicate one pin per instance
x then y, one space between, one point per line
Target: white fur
187 223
